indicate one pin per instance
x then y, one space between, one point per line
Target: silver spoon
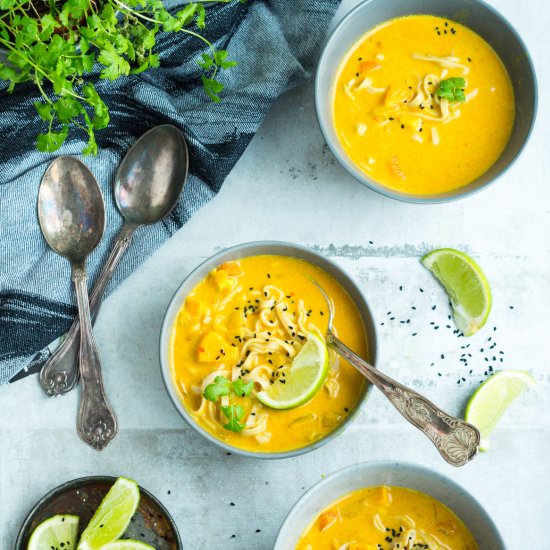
147 186
72 218
456 440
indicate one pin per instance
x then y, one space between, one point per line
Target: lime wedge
55 532
303 379
466 285
492 398
111 519
127 545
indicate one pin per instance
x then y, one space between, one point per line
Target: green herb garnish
452 89
55 44
242 388
220 387
233 413
223 387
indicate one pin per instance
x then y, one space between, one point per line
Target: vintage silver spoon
456 440
147 186
71 212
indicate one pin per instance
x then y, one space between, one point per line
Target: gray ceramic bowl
243 251
475 14
369 474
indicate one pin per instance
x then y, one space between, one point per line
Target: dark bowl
151 524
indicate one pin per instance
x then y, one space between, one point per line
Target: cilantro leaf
220 57
67 108
212 88
47 25
115 64
44 110
51 141
452 89
217 389
101 112
242 388
233 413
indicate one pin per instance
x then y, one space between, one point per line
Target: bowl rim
389 465
372 184
83 481
176 303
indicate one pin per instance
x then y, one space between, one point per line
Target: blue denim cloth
276 44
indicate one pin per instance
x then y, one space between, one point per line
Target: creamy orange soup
384 518
246 321
423 105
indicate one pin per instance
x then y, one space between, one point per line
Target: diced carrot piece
368 66
233 268
221 278
193 306
326 519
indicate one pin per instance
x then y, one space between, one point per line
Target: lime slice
127 545
466 285
113 515
492 398
55 532
304 378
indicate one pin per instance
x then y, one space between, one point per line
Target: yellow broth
381 518
210 333
393 124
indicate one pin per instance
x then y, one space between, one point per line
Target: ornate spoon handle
97 423
59 374
456 440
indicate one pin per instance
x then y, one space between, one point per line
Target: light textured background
288 187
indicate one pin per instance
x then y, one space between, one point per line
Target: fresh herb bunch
452 89
222 387
54 44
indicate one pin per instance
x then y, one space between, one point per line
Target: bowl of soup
425 100
236 328
383 505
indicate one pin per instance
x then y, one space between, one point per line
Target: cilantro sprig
55 44
452 89
222 387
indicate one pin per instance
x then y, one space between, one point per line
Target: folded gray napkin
276 44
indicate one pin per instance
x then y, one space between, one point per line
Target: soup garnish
238 335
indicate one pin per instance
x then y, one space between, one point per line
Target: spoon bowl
150 179
70 209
